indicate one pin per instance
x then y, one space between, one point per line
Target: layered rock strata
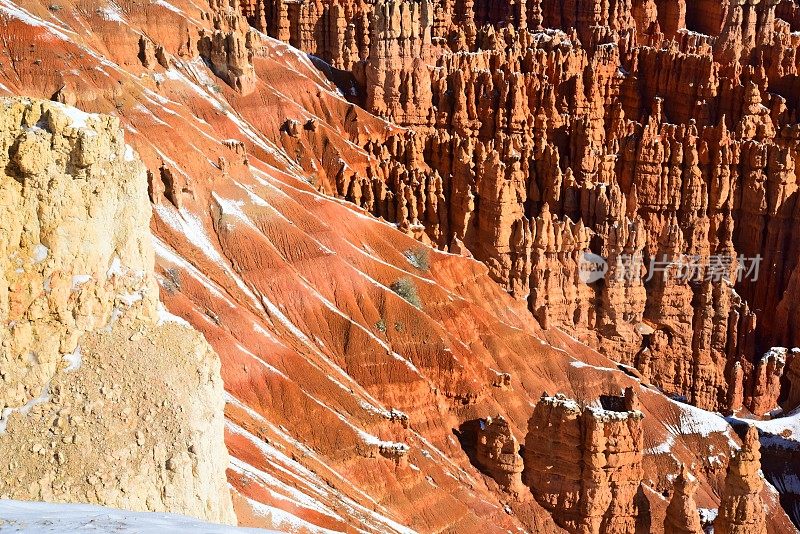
592 487
659 135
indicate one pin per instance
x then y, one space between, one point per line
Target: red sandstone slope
344 398
539 129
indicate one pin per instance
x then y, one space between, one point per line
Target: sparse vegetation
54 7
406 289
419 258
398 326
380 326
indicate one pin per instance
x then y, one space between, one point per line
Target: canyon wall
661 136
106 398
356 360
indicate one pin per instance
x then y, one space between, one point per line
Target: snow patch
43 397
40 253
40 518
74 359
286 521
79 279
164 251
79 118
166 317
579 364
129 155
662 448
697 421
780 432
310 482
369 439
708 515
129 299
112 12
167 5
190 226
116 268
30 19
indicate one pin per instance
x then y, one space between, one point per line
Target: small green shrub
381 326
419 258
406 289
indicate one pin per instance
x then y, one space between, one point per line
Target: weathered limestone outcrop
104 399
584 463
498 453
741 510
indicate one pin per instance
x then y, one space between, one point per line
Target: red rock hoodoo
380 213
741 510
682 515
498 453
584 463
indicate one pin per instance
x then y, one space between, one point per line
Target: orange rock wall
347 402
593 487
640 131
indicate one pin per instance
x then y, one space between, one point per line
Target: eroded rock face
742 510
645 132
498 453
104 400
318 358
584 464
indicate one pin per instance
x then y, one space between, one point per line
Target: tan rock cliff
105 397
